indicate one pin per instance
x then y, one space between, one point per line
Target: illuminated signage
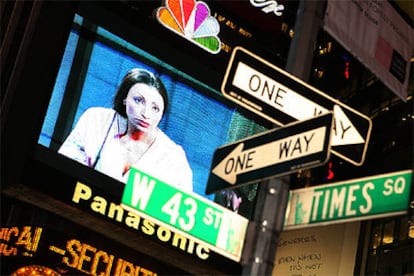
190 214
73 253
84 194
181 87
268 6
191 20
273 153
281 98
93 261
19 241
356 199
31 270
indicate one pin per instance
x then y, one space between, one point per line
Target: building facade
60 58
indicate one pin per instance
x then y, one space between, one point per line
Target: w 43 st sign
281 98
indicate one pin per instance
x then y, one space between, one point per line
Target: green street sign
189 214
357 199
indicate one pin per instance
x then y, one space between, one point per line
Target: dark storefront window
390 249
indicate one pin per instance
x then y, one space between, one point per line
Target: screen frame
157 37
30 164
26 98
70 106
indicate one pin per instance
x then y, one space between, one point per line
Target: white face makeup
144 107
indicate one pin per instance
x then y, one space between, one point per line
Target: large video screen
115 105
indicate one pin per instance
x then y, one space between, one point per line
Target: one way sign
281 98
300 145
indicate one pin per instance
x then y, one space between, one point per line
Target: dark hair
133 77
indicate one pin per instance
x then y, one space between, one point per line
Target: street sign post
280 151
189 214
356 199
281 98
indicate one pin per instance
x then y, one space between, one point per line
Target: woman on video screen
113 140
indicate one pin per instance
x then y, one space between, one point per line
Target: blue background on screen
196 121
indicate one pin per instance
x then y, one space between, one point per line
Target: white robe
164 159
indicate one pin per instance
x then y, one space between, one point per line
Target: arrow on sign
293 104
242 160
281 98
344 132
284 150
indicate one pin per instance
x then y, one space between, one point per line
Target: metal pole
272 198
269 216
303 45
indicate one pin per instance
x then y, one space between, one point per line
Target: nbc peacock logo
192 20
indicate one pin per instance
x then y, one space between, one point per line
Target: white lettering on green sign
189 213
141 190
380 195
337 202
172 208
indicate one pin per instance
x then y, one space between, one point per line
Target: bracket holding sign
300 145
281 98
